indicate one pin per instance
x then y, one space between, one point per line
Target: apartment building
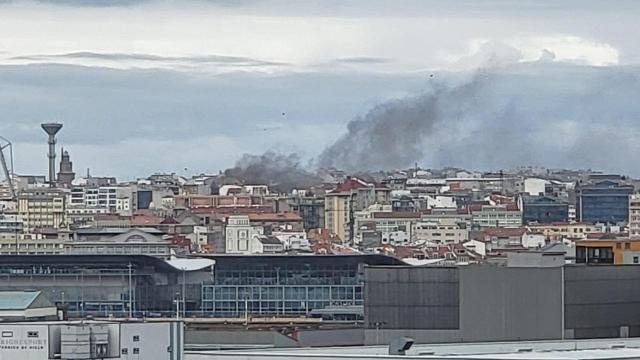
504 216
239 233
42 209
441 231
348 197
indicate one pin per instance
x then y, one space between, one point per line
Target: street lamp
184 293
130 293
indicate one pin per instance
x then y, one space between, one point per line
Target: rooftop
17 300
558 350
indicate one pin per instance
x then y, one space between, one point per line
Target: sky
190 86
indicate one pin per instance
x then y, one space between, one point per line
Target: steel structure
6 144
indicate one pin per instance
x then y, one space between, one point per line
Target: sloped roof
21 300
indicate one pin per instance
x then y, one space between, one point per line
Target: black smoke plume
281 172
396 134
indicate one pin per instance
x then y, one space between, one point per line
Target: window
125 351
32 334
635 259
136 338
618 245
136 350
627 245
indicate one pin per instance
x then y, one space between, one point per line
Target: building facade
603 199
239 234
42 209
348 197
634 215
506 216
543 209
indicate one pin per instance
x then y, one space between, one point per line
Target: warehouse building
484 303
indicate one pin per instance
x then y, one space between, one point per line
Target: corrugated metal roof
17 300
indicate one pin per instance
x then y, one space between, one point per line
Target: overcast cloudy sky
145 86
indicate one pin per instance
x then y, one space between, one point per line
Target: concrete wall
601 299
504 304
411 298
475 303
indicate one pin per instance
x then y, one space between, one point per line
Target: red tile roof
352 183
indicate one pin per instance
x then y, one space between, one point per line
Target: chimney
52 129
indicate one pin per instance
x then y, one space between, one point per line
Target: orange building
617 251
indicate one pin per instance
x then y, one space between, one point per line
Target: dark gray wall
474 303
502 304
411 298
600 299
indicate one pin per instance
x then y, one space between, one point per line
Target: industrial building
260 285
85 340
491 303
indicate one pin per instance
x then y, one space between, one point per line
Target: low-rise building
441 231
266 244
116 241
25 305
500 216
608 250
555 232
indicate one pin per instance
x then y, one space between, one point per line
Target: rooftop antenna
52 129
6 144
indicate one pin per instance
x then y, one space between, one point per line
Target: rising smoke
282 172
397 133
553 115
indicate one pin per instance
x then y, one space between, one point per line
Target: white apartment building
239 233
441 231
114 198
502 216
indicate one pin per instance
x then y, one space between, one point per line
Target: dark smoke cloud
393 135
281 172
547 114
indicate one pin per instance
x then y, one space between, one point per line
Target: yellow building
562 231
617 251
348 197
42 209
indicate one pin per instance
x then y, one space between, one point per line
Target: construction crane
6 144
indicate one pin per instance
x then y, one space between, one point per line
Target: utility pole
130 293
184 293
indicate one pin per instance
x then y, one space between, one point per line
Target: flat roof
560 349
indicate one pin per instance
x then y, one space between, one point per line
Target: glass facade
605 202
287 290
